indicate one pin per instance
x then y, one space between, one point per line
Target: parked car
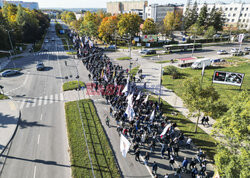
40 66
144 51
150 52
222 52
246 49
7 73
112 47
234 50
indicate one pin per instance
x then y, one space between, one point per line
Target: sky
102 3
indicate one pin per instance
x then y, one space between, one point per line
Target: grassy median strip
3 97
101 154
201 139
123 58
72 85
134 71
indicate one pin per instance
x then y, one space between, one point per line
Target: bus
182 47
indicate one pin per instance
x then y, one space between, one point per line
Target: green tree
203 16
195 30
108 28
129 24
190 16
232 158
70 16
200 99
172 21
210 32
149 27
219 20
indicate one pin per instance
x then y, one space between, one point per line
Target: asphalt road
40 147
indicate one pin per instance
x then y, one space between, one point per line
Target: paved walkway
9 115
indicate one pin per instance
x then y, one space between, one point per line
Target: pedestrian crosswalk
47 52
40 101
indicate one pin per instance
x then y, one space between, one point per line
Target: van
198 64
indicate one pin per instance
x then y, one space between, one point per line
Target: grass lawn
100 152
72 53
72 85
226 92
3 97
123 58
134 71
38 45
165 61
201 139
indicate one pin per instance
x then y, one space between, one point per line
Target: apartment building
29 5
237 15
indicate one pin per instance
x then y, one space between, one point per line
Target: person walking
154 168
162 149
184 164
137 154
178 171
146 158
107 121
171 162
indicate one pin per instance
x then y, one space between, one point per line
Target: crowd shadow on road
25 124
7 120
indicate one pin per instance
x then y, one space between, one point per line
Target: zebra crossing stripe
56 97
45 100
22 104
61 97
51 99
34 102
28 103
40 101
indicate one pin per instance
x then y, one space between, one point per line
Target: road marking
34 104
22 104
51 99
38 139
45 100
56 97
12 106
61 97
41 118
147 167
40 101
28 103
34 172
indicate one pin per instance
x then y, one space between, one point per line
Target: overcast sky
102 3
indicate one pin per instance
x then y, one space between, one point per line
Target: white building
158 12
29 5
237 15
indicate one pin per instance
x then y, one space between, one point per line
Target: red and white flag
165 130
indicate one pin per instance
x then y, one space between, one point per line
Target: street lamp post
161 73
10 40
194 44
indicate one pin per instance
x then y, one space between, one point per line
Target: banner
149 38
124 145
166 129
228 78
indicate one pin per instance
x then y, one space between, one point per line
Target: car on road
222 52
234 50
147 52
247 49
10 72
46 40
40 66
112 47
52 39
144 51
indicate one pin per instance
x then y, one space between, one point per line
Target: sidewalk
4 61
151 71
9 116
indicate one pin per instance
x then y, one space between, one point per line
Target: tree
195 29
199 99
129 24
108 28
202 18
218 20
149 27
70 16
210 32
172 21
233 155
190 16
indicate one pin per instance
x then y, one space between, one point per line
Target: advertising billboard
228 78
149 38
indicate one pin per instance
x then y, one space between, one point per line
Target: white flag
125 89
105 78
146 99
241 37
165 130
139 96
124 145
152 115
130 112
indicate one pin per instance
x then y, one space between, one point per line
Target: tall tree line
24 25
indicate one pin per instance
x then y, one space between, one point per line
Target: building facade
237 15
158 12
126 6
29 5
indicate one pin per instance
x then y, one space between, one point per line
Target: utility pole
194 43
161 72
10 40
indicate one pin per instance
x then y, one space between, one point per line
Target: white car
9 72
46 40
221 52
234 50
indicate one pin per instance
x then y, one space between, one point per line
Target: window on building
209 9
241 26
226 25
231 8
233 15
246 8
245 26
226 9
243 20
245 15
235 8
247 20
217 8
242 9
229 15
232 20
197 9
239 20
240 15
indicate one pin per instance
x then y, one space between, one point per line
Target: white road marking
22 104
61 97
40 101
147 167
34 104
51 99
41 118
45 100
34 172
38 139
56 97
28 103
